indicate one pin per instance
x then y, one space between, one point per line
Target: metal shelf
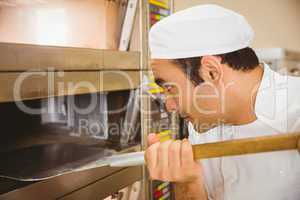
16 86
22 57
97 183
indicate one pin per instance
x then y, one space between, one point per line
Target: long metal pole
145 101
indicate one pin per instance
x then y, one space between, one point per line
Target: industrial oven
47 139
36 148
68 97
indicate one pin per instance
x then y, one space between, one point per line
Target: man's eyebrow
159 81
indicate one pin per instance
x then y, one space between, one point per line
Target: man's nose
171 105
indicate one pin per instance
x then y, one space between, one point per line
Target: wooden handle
246 146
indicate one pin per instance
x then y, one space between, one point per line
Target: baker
202 58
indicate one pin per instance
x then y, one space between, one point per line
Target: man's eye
168 87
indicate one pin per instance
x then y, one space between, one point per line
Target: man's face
199 104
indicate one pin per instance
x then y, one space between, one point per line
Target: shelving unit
104 70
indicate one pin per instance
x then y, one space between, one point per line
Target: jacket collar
272 99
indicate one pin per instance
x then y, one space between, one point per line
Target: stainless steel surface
47 161
127 159
62 185
102 179
108 185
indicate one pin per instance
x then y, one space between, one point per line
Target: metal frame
145 101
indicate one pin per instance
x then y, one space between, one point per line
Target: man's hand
173 161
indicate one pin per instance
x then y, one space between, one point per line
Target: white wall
276 22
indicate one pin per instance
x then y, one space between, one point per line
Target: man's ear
211 69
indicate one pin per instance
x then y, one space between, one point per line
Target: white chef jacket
264 176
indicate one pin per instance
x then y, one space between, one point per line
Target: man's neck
244 104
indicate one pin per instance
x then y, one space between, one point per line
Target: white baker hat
198 31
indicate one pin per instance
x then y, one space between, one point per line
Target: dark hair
243 59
